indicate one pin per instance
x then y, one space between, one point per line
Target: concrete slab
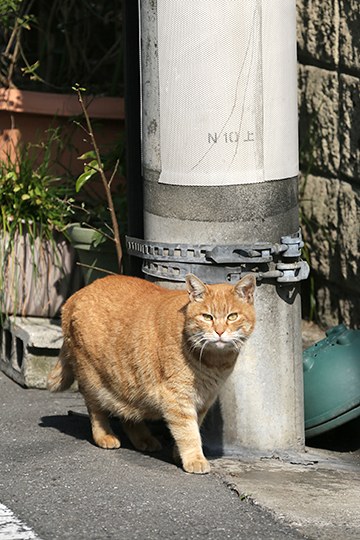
36 331
318 493
29 349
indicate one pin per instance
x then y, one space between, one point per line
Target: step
29 349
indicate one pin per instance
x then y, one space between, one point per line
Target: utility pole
219 168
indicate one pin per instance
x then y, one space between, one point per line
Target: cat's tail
62 376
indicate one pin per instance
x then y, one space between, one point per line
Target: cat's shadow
78 426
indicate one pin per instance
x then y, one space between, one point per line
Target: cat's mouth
222 343
219 344
226 342
216 342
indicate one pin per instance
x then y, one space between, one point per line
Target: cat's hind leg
102 433
141 437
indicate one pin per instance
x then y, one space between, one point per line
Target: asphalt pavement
60 486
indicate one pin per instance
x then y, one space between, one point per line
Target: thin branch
89 226
96 268
116 166
104 180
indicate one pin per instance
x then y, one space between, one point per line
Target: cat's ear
245 288
195 287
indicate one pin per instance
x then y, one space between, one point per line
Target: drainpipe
133 128
219 167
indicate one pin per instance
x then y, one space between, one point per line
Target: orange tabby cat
139 351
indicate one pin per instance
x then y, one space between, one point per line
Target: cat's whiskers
202 349
236 345
238 342
196 341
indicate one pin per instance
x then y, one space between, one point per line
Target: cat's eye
207 317
232 317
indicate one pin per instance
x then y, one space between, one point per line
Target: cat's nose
220 332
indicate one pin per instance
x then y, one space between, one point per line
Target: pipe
133 126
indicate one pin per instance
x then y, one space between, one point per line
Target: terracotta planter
37 276
33 113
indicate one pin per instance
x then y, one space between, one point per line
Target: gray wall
329 118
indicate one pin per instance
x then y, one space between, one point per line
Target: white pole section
220 166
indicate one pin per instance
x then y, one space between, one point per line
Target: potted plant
38 270
46 46
93 240
97 236
92 234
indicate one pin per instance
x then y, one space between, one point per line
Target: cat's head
220 317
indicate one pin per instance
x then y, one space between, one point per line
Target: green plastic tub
332 381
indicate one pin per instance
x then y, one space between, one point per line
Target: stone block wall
329 126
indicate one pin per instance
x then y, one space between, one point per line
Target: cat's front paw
198 465
108 442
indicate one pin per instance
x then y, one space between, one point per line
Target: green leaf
92 166
91 154
98 239
78 88
25 197
83 178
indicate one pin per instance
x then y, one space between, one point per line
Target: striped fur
140 351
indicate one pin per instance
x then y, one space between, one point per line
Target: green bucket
332 381
96 253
